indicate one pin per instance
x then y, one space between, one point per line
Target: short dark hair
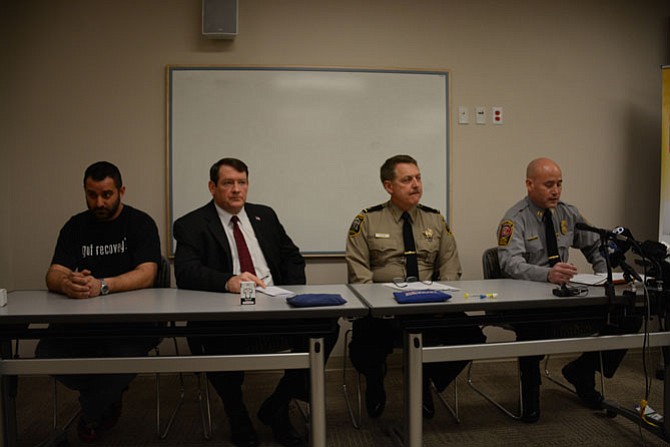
100 170
234 163
387 171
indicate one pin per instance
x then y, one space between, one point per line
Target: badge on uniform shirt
505 232
564 227
355 227
428 234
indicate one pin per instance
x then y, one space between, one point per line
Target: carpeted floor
564 421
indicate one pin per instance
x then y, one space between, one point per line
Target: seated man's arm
522 256
293 264
358 252
589 244
61 279
191 272
199 264
448 262
141 277
514 252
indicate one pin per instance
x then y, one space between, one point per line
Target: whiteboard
313 139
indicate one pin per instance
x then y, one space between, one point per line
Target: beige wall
579 81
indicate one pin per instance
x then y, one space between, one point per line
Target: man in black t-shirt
110 248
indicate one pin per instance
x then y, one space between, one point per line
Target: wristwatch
104 288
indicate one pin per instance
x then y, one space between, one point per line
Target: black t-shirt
111 248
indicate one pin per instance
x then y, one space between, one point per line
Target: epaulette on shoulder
523 207
373 209
428 209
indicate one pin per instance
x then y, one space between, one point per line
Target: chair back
163 275
490 264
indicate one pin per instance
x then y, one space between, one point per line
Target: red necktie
246 264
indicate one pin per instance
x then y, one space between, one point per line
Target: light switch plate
480 115
463 115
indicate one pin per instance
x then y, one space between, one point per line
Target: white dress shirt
260 265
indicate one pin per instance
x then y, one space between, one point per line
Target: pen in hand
263 279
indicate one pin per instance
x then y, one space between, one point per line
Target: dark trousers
294 384
373 339
97 392
588 361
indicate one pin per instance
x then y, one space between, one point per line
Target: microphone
601 231
616 233
623 232
616 250
620 240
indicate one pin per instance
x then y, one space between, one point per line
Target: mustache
101 211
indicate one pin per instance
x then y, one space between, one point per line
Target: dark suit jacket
203 260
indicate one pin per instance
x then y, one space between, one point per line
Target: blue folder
316 299
421 296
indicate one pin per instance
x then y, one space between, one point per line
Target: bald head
544 182
539 165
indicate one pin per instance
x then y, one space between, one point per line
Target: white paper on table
597 279
274 291
418 285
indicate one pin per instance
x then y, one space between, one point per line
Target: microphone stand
658 427
609 283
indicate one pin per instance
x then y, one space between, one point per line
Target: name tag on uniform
532 238
382 235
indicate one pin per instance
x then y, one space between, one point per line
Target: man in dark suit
219 245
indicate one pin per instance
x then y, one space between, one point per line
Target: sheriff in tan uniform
522 248
376 252
375 247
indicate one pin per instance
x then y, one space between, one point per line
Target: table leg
8 389
3 403
413 394
317 392
666 399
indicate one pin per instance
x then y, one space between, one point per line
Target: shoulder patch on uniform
428 209
356 225
505 232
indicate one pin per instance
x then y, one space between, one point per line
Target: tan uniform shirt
375 246
522 248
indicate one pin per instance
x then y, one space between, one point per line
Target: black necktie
552 244
246 264
412 268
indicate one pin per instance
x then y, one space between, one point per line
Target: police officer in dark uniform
377 251
534 239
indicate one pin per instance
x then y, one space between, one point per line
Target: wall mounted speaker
219 19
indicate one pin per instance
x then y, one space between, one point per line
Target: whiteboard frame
664 205
172 69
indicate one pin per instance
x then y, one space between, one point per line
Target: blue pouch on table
315 300
421 296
